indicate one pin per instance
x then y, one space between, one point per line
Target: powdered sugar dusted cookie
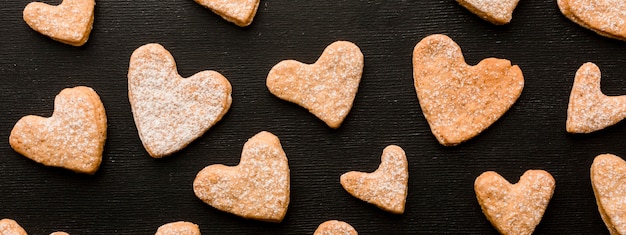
495 11
326 88
257 188
387 186
240 12
69 23
178 228
73 138
608 178
10 227
169 111
605 17
514 208
335 227
459 101
589 109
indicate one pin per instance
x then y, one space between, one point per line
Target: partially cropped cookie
257 188
59 233
326 88
605 17
170 111
73 138
387 186
10 227
460 101
178 228
608 179
589 109
239 12
335 227
495 11
70 22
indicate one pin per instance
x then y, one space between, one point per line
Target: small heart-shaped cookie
497 12
178 228
240 12
257 188
605 17
170 112
73 138
10 227
69 23
589 109
514 208
459 101
335 227
608 178
326 88
387 186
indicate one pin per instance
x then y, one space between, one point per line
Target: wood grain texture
135 194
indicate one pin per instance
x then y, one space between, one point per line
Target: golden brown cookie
589 109
459 101
605 17
59 233
69 23
608 178
240 12
514 208
497 12
10 227
257 188
178 228
326 88
387 186
170 111
335 227
73 138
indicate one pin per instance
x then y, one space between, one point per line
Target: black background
134 194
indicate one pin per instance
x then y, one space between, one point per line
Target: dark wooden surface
134 194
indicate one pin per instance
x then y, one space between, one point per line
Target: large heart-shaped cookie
459 101
170 112
10 227
605 17
514 208
335 227
69 23
589 109
387 186
495 11
608 178
257 188
240 12
326 88
73 138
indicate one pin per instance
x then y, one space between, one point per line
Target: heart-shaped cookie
514 208
605 17
589 109
459 101
326 88
10 227
178 228
387 186
335 227
73 138
608 178
170 112
497 12
240 12
69 23
257 188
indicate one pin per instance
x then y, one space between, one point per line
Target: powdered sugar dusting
460 101
335 227
170 112
178 228
70 22
606 17
327 88
10 227
387 186
240 12
257 188
589 109
608 178
518 208
495 11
